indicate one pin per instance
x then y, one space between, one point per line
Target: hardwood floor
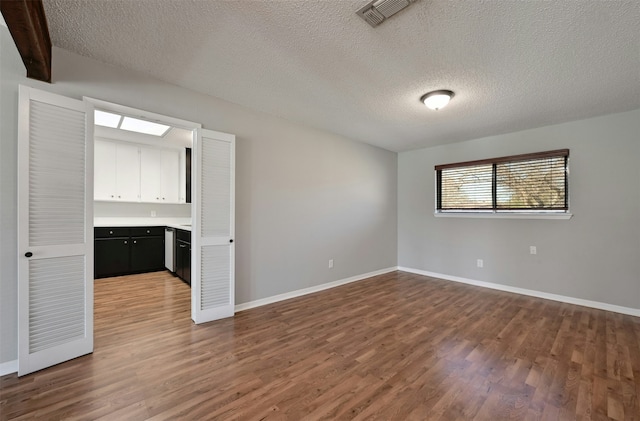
395 347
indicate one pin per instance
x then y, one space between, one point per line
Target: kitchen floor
145 301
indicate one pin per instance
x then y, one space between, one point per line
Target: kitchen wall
593 256
303 196
140 210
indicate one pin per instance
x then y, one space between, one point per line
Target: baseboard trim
9 367
310 290
530 292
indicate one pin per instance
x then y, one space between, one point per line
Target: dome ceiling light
436 100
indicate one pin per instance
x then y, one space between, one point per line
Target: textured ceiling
512 64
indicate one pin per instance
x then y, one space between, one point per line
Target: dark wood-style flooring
395 347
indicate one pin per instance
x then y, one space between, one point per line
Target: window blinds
533 182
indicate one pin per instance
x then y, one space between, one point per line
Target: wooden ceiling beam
27 23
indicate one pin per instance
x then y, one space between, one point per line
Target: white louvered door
212 246
55 235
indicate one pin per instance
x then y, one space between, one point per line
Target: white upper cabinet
104 179
132 173
116 172
171 177
127 173
160 175
150 175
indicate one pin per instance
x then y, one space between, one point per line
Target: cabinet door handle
182 246
135 242
148 231
125 241
28 254
231 240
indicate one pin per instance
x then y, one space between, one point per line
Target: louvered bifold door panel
55 236
213 227
216 262
56 301
216 188
56 179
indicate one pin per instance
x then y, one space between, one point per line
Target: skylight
117 121
103 118
143 126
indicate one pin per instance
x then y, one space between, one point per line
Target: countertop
179 223
184 227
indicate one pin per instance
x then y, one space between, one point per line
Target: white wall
140 210
10 68
593 256
303 195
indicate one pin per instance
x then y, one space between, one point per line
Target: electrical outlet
480 263
533 250
153 214
330 263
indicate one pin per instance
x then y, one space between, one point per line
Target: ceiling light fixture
436 100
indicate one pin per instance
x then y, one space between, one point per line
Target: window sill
503 215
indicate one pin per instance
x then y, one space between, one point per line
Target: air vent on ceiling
378 11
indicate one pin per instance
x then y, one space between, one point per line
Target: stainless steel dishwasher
169 253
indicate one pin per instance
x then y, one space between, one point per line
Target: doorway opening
142 199
56 220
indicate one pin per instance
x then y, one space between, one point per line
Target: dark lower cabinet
183 255
111 257
122 251
147 254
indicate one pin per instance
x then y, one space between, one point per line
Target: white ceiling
512 64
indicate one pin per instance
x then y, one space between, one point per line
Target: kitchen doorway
56 161
142 196
205 249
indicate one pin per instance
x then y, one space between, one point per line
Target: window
536 182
